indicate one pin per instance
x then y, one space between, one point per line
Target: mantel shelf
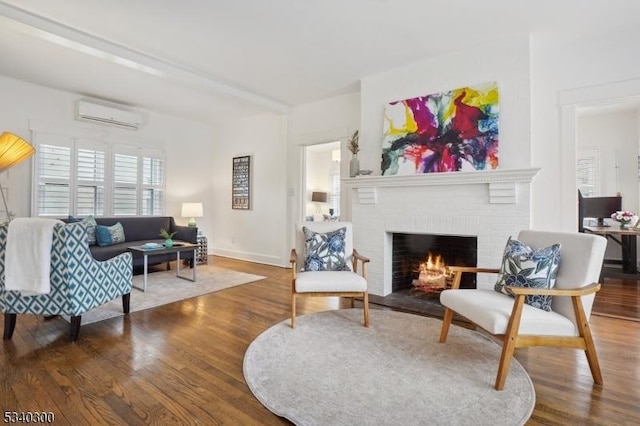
451 178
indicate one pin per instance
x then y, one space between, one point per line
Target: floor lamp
13 149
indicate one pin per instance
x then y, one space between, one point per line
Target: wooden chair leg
590 347
365 301
126 299
75 328
508 348
509 342
9 326
446 322
293 310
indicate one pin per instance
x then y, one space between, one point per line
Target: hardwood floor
182 364
619 297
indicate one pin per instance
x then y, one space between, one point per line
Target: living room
544 77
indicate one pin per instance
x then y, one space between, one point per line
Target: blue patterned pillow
91 227
523 266
325 252
108 235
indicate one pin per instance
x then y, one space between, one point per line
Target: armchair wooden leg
509 342
293 310
590 347
9 326
508 348
126 299
446 322
365 301
74 332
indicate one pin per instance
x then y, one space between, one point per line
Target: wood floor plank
182 363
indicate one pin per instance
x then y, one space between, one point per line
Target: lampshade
13 149
319 197
192 210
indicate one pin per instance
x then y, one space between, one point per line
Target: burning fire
433 274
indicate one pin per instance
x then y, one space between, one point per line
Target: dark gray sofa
144 229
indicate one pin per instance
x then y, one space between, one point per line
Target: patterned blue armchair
79 283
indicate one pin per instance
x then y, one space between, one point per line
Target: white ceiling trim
63 35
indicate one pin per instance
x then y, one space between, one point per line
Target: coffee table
178 247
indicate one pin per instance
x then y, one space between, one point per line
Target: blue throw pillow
108 235
523 266
325 252
91 227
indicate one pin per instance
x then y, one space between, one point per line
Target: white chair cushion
330 281
491 311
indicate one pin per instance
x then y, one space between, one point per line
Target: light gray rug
330 370
164 287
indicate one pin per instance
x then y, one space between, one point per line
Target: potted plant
168 241
354 147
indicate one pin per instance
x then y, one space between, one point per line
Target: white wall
507 63
565 74
188 145
258 234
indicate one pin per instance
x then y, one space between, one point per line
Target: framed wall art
241 183
442 132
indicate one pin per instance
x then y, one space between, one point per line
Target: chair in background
79 283
327 245
520 325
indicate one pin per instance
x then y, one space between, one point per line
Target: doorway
321 182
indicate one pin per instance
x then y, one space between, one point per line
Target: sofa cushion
523 266
330 281
325 251
491 311
109 235
91 227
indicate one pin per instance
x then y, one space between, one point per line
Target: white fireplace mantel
502 183
452 178
490 205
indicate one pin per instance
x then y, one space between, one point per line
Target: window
125 184
587 172
80 177
334 195
53 167
152 185
90 180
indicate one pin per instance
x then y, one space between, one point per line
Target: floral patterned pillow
523 266
325 252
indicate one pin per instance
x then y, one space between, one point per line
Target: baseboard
251 257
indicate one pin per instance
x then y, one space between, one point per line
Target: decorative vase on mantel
354 166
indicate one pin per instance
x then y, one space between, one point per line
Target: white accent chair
520 325
328 283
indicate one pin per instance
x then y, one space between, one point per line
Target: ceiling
217 59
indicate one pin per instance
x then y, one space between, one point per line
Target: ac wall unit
100 112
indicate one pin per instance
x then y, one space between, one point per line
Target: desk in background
626 238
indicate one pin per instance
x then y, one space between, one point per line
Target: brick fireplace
487 205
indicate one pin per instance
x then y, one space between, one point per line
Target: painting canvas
442 132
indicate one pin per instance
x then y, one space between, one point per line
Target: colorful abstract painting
442 132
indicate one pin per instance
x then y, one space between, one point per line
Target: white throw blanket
27 259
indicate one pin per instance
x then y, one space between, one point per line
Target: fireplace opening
419 261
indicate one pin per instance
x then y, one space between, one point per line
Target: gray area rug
330 370
164 287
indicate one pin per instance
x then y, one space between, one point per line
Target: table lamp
13 150
318 197
192 210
